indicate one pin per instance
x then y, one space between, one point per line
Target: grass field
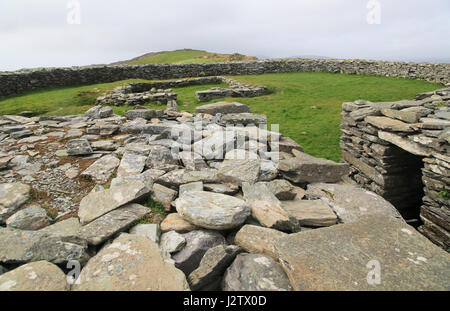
307 106
187 56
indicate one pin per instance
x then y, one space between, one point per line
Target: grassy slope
306 105
182 57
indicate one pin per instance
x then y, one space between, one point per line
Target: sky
61 33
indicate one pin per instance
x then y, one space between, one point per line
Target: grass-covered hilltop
307 106
185 56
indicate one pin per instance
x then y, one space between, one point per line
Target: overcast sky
36 33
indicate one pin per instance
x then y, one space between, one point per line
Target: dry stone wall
25 80
400 150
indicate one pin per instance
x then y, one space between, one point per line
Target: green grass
185 57
307 106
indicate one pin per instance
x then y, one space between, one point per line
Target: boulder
20 246
255 272
223 108
266 208
99 203
12 197
164 195
212 267
30 218
78 147
259 240
35 276
197 243
174 222
106 226
102 169
150 231
311 213
131 164
307 169
350 203
212 210
130 263
375 244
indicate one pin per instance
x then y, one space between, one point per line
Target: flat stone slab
212 210
389 124
115 221
131 164
405 144
174 222
347 257
12 197
258 240
102 169
304 168
223 107
311 213
130 263
99 203
351 203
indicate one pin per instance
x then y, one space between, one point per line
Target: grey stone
104 145
351 203
194 186
172 242
212 210
78 147
174 222
307 169
212 266
102 169
20 246
255 272
222 107
64 229
150 231
30 218
147 114
164 195
243 119
197 243
311 213
239 171
131 164
317 260
12 197
35 276
161 157
117 267
99 203
147 177
216 145
266 208
228 189
282 189
258 240
104 227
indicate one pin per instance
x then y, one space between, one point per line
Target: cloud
36 33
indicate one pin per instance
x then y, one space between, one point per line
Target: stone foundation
400 150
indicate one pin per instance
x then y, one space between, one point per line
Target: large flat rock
223 107
130 263
347 257
12 197
304 168
311 213
113 222
99 203
102 169
350 203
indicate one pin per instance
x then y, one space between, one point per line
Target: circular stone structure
212 210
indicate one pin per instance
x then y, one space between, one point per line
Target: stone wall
400 150
25 80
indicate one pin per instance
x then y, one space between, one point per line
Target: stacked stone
24 80
235 89
237 197
400 150
126 95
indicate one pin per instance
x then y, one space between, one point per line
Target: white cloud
35 33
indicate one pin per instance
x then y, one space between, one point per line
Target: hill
183 57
